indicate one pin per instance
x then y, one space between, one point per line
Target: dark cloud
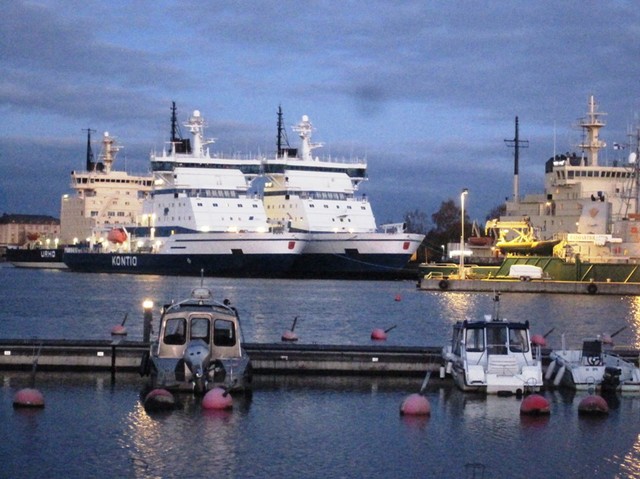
426 91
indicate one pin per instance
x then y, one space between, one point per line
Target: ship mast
592 124
90 163
516 143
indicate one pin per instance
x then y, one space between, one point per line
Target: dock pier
122 355
532 286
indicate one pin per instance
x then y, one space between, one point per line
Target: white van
525 272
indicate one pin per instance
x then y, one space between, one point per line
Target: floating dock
124 355
533 286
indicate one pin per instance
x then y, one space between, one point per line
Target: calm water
315 427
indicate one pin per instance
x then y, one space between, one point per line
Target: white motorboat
494 356
592 367
199 347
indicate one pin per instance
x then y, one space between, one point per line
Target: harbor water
304 426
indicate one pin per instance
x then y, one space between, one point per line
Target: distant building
18 230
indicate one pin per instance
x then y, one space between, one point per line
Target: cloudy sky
427 91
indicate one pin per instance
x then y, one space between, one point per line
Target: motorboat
199 347
592 367
494 356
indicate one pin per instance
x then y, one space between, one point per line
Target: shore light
464 193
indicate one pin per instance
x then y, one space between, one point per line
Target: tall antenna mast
91 165
516 143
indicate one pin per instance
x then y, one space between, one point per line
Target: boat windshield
518 340
200 329
497 340
474 342
224 333
175 331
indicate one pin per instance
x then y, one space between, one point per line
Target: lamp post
462 196
147 306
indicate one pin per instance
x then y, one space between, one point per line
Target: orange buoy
593 405
217 398
535 404
28 397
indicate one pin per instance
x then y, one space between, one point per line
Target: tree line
443 227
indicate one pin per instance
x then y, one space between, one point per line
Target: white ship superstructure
199 218
195 192
578 186
104 198
318 196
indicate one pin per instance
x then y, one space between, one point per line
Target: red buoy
534 405
119 330
28 397
593 405
381 334
415 405
217 398
159 400
290 335
398 297
378 334
538 340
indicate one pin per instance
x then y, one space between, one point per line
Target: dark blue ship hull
354 265
227 265
36 257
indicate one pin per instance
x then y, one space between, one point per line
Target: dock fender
145 364
550 369
592 288
443 284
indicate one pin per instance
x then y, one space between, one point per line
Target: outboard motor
611 378
197 357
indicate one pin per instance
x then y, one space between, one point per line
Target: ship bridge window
200 329
224 333
175 331
570 175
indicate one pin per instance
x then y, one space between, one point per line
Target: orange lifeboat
117 235
480 240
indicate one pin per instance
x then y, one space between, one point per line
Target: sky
427 92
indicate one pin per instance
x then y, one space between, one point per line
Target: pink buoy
217 398
535 404
159 400
415 405
289 336
538 340
398 297
593 405
28 397
119 330
378 334
381 334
